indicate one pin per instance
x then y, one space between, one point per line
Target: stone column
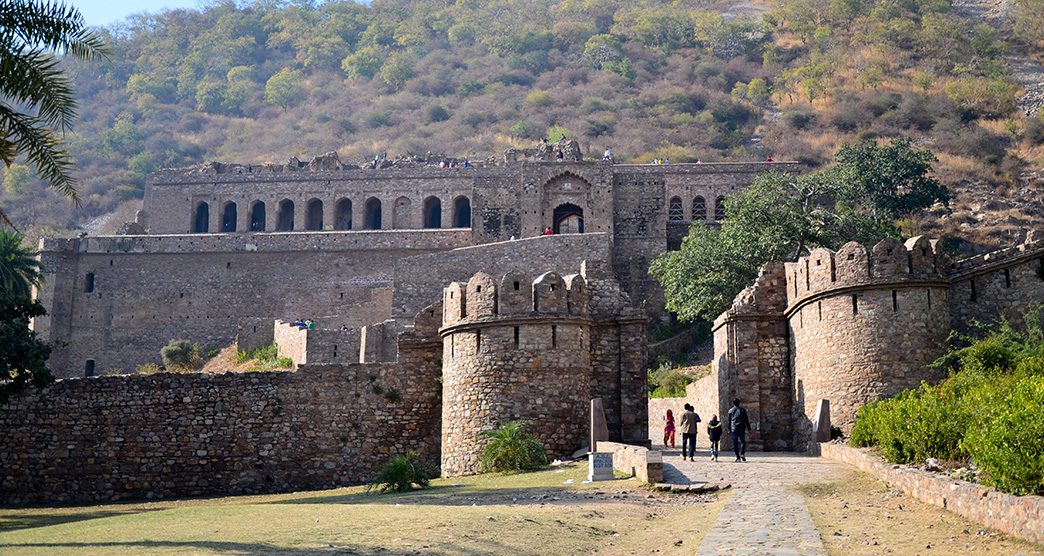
447 213
243 215
215 216
387 214
271 215
329 213
300 214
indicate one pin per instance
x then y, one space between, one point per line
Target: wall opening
228 218
568 219
343 215
461 212
314 215
675 213
699 208
719 208
516 337
478 341
285 216
820 307
257 217
554 336
201 219
432 212
974 294
88 368
518 286
88 283
1007 278
929 298
855 304
895 301
372 220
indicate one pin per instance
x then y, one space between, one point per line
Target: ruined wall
148 290
176 435
864 326
999 284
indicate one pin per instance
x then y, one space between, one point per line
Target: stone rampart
1001 284
176 435
1022 516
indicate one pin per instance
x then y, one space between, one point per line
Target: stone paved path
765 514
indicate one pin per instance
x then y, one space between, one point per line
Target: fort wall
176 435
117 300
1001 284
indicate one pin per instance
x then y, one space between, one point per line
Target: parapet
765 297
1032 246
888 262
515 295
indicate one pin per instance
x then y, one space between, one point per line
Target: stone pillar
329 213
387 214
243 215
300 214
271 215
215 216
447 213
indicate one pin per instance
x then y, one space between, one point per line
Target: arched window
432 212
674 210
257 217
285 216
462 212
201 220
567 219
719 208
699 209
314 216
343 217
401 213
372 220
228 218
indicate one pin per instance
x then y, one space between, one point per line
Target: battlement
516 295
1031 247
764 297
919 260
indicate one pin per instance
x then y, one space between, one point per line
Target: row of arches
342 216
676 209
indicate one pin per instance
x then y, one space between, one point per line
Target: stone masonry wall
148 290
999 284
176 435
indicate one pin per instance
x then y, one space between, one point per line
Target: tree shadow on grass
248 549
467 495
16 522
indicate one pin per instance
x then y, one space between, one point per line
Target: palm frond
41 149
33 78
53 26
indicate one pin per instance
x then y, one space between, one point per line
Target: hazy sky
104 12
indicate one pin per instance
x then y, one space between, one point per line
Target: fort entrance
568 219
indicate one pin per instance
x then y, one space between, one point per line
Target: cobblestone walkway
765 514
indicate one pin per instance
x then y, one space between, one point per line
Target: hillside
681 80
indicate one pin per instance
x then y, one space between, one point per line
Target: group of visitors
306 324
453 164
737 421
659 161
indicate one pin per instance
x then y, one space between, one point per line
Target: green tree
890 181
19 268
210 96
397 70
16 178
284 89
36 98
23 356
363 64
601 50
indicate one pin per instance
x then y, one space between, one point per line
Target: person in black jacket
714 432
739 424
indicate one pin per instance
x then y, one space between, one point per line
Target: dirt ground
861 515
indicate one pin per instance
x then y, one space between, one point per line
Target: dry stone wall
175 435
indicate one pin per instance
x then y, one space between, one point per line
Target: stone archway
567 219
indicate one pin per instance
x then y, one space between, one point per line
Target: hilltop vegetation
683 80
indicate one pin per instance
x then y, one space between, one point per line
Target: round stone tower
864 326
517 349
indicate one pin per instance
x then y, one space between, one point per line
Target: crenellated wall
523 348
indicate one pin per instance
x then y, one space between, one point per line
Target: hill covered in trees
793 79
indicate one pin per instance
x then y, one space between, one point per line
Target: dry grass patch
861 515
531 513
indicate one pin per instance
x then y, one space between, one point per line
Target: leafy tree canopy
781 217
23 357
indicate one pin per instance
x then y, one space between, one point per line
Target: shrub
437 114
1035 130
182 353
267 357
401 474
799 119
668 382
511 447
1007 446
148 369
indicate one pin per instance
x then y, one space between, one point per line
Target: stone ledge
645 464
1021 516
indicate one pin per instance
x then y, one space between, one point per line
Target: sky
105 12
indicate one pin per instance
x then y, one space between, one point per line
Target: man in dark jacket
739 424
689 428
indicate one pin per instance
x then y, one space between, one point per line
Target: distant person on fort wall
310 324
608 154
714 433
739 424
547 231
689 427
668 430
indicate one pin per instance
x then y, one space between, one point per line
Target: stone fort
443 309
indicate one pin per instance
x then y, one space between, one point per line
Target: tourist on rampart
608 154
714 433
739 424
668 430
689 427
547 231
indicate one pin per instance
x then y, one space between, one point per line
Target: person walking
714 433
668 430
739 424
689 426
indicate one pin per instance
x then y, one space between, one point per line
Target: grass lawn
861 515
532 513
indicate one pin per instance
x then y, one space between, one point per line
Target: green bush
401 474
1008 446
511 447
666 381
183 354
267 357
